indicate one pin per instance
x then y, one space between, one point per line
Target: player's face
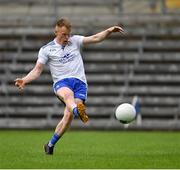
62 34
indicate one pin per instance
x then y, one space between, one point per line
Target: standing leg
64 123
59 131
67 96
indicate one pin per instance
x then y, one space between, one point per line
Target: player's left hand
116 29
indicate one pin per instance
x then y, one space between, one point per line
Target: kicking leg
81 110
75 106
67 96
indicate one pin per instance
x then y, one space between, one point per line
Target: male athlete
64 59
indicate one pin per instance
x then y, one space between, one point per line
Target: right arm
32 75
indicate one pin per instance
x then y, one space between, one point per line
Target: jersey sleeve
78 39
42 56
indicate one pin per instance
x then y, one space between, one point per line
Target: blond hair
63 22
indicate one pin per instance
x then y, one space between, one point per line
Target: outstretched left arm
101 35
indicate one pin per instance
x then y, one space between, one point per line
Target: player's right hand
19 83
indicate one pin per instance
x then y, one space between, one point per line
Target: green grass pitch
91 149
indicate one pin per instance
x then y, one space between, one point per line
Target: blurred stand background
145 62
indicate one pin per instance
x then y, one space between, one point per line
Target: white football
125 113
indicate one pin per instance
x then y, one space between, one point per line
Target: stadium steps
44 13
122 45
143 62
140 87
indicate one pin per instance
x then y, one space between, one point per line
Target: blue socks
53 140
75 112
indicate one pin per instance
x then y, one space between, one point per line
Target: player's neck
60 42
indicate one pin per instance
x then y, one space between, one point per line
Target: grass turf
91 149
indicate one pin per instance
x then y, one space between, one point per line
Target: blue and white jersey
64 62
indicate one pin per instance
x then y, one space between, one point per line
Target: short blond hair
63 22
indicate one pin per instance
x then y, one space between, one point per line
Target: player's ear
55 31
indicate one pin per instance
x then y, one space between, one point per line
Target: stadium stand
144 62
